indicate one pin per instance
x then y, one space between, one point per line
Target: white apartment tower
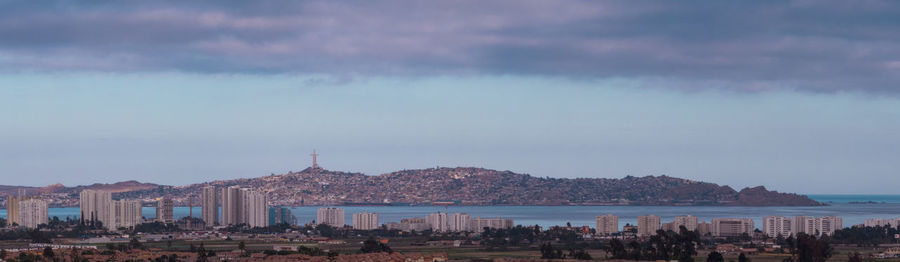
493 223
209 206
231 205
365 221
607 224
31 212
244 206
816 225
165 210
647 225
774 226
689 222
729 227
125 213
460 222
255 211
95 206
330 216
439 222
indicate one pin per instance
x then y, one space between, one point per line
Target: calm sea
840 205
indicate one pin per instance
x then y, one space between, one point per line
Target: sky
798 96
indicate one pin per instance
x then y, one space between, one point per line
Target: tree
201 253
855 257
134 243
617 249
3 254
373 246
48 253
580 254
242 246
715 257
549 252
743 258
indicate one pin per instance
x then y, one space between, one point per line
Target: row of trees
665 245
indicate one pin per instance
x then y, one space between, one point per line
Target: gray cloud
821 46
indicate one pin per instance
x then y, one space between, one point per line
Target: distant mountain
478 186
119 187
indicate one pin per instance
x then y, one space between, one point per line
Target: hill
478 186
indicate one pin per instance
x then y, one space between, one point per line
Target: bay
584 215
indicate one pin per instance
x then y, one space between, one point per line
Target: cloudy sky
799 96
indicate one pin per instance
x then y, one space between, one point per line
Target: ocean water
584 215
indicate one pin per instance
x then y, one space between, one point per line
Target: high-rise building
165 210
647 225
31 212
704 228
460 222
281 215
690 222
209 206
95 207
125 213
365 221
731 227
331 216
607 224
439 222
479 223
816 225
12 208
244 206
774 226
231 206
255 210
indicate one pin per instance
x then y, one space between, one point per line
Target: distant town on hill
446 186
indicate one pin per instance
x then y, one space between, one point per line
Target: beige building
165 210
125 213
439 222
209 206
479 223
648 225
774 226
816 225
95 206
330 216
460 222
690 222
607 224
704 228
730 227
31 212
365 221
244 206
881 222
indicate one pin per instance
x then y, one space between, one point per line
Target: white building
729 227
95 206
607 224
365 221
689 222
460 222
209 206
255 210
774 226
439 222
330 216
479 223
244 206
125 213
647 225
32 212
816 225
880 222
165 210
